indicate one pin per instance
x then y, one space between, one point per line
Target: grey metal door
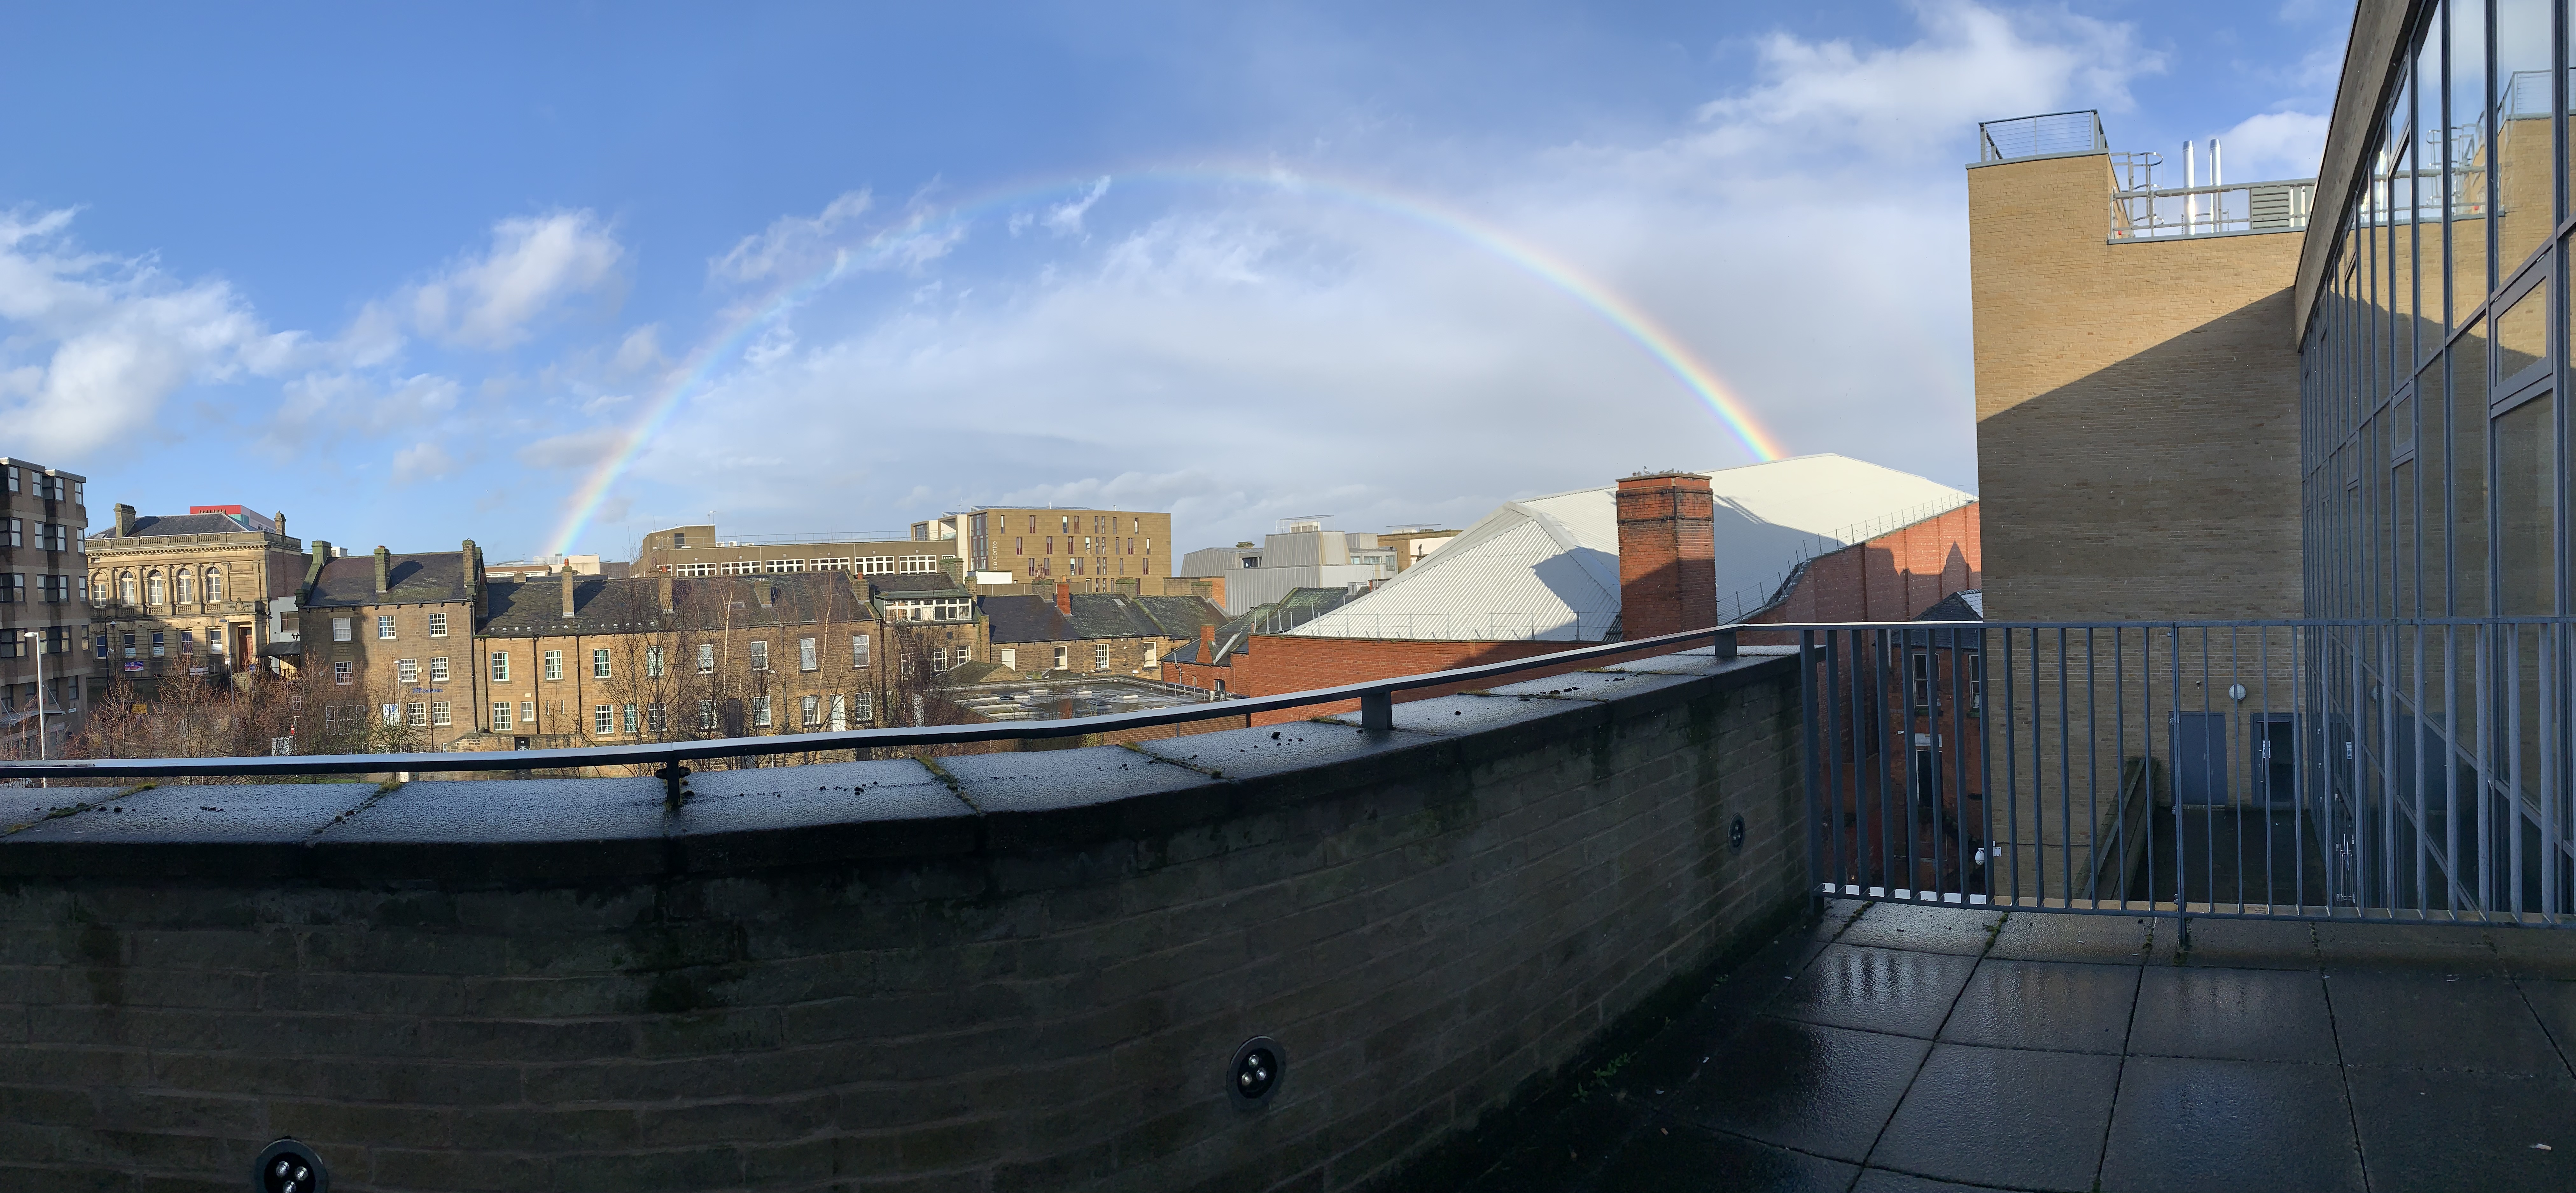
2200 757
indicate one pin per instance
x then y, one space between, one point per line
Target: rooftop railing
2168 213
2053 134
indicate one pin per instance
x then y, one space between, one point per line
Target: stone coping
571 831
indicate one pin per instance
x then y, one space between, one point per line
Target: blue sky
413 275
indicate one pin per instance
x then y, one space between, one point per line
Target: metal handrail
1376 699
2040 136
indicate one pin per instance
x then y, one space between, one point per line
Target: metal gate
2412 771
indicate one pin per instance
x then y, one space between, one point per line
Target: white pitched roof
1548 567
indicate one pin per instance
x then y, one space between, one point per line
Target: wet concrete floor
1890 1048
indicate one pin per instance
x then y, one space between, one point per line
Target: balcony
1849 899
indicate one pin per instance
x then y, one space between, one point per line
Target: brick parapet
1014 971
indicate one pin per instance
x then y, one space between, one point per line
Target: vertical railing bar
2388 755
2451 774
1985 769
1877 696
2511 803
1810 714
2092 773
2147 754
2271 848
2182 852
2065 782
1846 754
2235 678
2208 784
2120 758
1959 764
2012 765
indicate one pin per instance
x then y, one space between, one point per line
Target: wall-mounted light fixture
289 1167
1255 1074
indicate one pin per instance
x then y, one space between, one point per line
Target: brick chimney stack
384 569
1667 554
281 521
567 575
1064 597
663 585
1207 642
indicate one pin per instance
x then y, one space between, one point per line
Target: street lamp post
33 636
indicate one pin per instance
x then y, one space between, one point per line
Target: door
2200 758
2276 746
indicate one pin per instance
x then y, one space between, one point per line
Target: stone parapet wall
1012 971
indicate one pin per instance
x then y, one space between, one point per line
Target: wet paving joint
1890 1048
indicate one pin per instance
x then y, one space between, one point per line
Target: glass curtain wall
2434 451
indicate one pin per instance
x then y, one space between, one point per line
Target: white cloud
495 300
92 345
1908 102
422 461
640 352
577 449
1066 218
790 239
2273 145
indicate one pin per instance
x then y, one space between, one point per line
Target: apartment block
696 551
1088 548
582 660
44 519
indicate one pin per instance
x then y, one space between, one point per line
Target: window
603 720
416 715
500 716
1100 656
807 658
437 621
939 659
1060 653
655 719
187 642
129 644
652 662
876 565
1010 659
156 644
1149 654
858 650
863 706
13 587
813 711
840 714
438 669
384 627
760 712
439 714
215 584
599 664
706 658
760 656
102 646
965 655
679 539
706 714
405 670
920 563
187 588
343 672
553 665
341 628
500 666
57 589
392 714
528 713
155 589
627 718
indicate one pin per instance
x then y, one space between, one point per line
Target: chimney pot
1667 554
384 569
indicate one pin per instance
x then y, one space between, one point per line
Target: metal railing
2413 770
2168 213
2046 135
667 760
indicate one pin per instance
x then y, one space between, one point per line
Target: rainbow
698 372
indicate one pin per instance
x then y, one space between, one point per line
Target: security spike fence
2410 770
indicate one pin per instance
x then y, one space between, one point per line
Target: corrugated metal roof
1548 567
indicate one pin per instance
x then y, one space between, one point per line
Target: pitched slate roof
416 580
154 525
601 605
915 585
1234 637
1098 615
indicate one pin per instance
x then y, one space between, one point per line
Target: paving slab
1924 929
2115 939
2431 1130
2238 944
2407 948
1825 1090
2065 1006
2185 1125
2420 1021
1889 990
2555 1003
2536 952
1882 1180
2233 1014
1681 1157
2027 1120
